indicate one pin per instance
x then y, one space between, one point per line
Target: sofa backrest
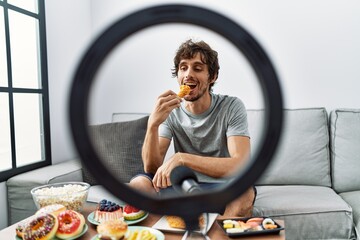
302 156
345 149
119 146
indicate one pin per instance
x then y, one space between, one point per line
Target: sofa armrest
20 202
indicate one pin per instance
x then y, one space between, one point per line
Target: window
24 102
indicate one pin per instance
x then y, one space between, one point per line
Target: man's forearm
150 150
216 167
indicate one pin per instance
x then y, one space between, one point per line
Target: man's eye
182 68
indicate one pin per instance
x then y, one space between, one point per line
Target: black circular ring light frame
162 14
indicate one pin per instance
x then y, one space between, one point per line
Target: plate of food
92 220
84 230
138 232
110 210
237 227
66 224
176 224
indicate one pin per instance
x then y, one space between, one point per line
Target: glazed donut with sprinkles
41 227
66 224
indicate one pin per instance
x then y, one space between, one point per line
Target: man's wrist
181 160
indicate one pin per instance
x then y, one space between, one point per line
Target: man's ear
214 79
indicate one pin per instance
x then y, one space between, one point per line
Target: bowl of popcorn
72 195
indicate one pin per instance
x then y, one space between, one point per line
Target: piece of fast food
178 222
184 90
114 229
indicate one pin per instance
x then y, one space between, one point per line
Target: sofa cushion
345 149
119 147
302 155
20 202
309 212
98 192
352 198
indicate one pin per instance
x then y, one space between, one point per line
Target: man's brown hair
189 49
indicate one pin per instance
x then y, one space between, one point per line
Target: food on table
132 213
42 226
53 208
251 224
20 228
268 223
107 210
114 229
230 224
71 223
184 90
178 222
257 220
175 222
71 195
143 234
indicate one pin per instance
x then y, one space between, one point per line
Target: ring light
162 14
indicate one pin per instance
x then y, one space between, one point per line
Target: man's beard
197 97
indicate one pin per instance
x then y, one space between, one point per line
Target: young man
209 130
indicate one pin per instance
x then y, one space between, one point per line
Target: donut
71 223
53 208
112 229
184 90
20 228
41 227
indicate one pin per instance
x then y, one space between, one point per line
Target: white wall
313 45
68 26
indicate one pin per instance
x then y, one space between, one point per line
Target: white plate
72 238
163 225
159 235
129 222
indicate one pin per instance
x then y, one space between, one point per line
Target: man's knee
243 205
142 183
140 180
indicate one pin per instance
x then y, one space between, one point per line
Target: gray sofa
312 182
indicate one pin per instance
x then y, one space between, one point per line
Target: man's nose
188 74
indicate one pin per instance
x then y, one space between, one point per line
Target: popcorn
72 196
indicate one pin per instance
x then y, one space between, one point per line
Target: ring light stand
189 207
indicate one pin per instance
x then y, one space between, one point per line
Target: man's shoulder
222 98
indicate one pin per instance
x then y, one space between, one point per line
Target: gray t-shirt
206 134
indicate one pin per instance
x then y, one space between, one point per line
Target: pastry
41 227
178 222
71 223
53 208
107 210
112 229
